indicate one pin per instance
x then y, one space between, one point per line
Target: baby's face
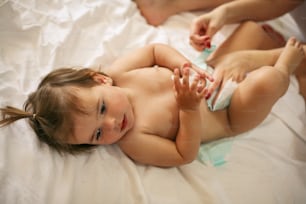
110 115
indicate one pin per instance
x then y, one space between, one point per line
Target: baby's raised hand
198 71
188 93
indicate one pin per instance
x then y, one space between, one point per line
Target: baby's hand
198 71
188 94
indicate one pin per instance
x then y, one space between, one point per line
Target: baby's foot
155 12
291 57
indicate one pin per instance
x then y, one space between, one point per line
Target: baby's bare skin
291 57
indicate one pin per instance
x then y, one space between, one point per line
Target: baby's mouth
124 123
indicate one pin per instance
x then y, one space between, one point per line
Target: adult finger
218 78
198 26
211 30
198 47
200 39
185 78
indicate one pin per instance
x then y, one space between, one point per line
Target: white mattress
265 165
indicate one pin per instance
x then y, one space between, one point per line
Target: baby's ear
102 79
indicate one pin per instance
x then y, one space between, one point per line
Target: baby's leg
256 95
248 36
291 57
157 12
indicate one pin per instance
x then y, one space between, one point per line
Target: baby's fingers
202 73
195 84
198 87
202 92
185 84
176 79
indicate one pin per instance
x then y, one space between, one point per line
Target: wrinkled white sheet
265 165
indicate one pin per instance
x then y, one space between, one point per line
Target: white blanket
266 165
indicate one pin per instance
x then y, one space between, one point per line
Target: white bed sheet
265 165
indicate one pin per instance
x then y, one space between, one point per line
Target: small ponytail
11 114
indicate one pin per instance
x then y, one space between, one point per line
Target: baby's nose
110 124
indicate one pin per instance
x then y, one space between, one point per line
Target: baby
154 119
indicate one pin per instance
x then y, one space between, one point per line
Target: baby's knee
270 81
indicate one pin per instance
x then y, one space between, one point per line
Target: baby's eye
99 130
98 134
103 108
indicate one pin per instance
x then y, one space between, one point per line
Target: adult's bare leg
157 12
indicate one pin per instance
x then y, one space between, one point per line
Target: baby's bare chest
154 101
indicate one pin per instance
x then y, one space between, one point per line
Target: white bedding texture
265 165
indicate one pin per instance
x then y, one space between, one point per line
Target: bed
265 165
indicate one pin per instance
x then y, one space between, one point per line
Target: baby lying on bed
154 119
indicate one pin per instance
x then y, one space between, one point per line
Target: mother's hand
234 66
204 27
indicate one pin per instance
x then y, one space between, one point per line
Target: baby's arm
151 55
148 56
189 96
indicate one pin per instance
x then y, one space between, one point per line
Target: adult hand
204 27
233 66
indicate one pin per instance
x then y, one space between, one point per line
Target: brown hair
46 108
